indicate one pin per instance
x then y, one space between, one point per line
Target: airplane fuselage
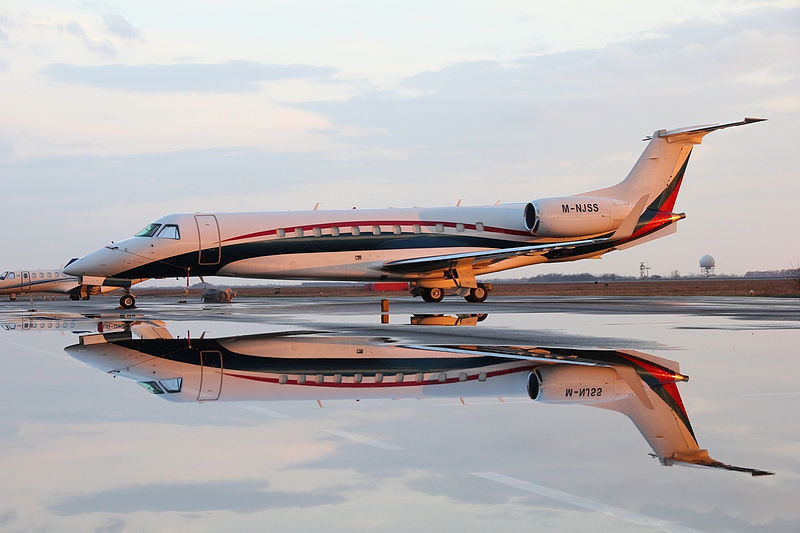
16 282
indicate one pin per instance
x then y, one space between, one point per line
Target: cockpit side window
11 275
3 275
169 231
149 230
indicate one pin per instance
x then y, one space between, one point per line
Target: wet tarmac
326 414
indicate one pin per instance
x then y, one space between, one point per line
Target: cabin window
49 274
170 231
33 275
479 226
355 231
317 232
376 230
459 227
299 232
335 231
417 228
3 275
396 229
148 231
281 233
439 227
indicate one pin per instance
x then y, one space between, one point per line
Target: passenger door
210 375
208 235
25 281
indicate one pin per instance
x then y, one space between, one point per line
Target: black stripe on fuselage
178 350
177 266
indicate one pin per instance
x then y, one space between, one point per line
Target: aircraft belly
358 265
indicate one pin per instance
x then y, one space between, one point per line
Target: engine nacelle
574 216
563 383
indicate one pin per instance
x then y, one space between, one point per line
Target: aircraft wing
481 258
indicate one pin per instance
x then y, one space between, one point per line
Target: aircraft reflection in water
324 366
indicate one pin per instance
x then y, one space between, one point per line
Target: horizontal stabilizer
700 457
708 128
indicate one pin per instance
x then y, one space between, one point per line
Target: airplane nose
98 263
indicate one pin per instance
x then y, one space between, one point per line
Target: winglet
628 225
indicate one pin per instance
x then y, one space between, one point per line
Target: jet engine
574 216
576 384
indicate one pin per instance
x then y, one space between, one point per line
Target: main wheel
127 301
477 294
434 294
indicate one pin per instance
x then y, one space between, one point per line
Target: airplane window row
335 231
33 275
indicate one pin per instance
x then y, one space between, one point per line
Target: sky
115 113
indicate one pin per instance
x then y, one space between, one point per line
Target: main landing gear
435 294
477 294
127 301
432 294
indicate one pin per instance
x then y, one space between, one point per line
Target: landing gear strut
127 301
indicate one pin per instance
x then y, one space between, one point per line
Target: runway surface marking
585 503
364 440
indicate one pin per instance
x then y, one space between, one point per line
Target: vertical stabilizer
659 171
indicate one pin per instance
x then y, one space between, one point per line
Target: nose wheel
127 301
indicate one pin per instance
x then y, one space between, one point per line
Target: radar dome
707 261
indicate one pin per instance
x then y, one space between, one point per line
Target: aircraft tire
477 295
127 301
432 295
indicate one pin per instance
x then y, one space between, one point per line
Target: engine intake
574 216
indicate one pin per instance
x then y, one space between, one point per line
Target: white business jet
434 249
15 283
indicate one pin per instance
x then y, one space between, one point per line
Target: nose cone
103 263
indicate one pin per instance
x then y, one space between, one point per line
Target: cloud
229 77
118 25
245 496
103 47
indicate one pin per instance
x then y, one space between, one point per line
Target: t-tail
658 412
660 169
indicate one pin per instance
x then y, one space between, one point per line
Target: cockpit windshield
3 275
149 230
